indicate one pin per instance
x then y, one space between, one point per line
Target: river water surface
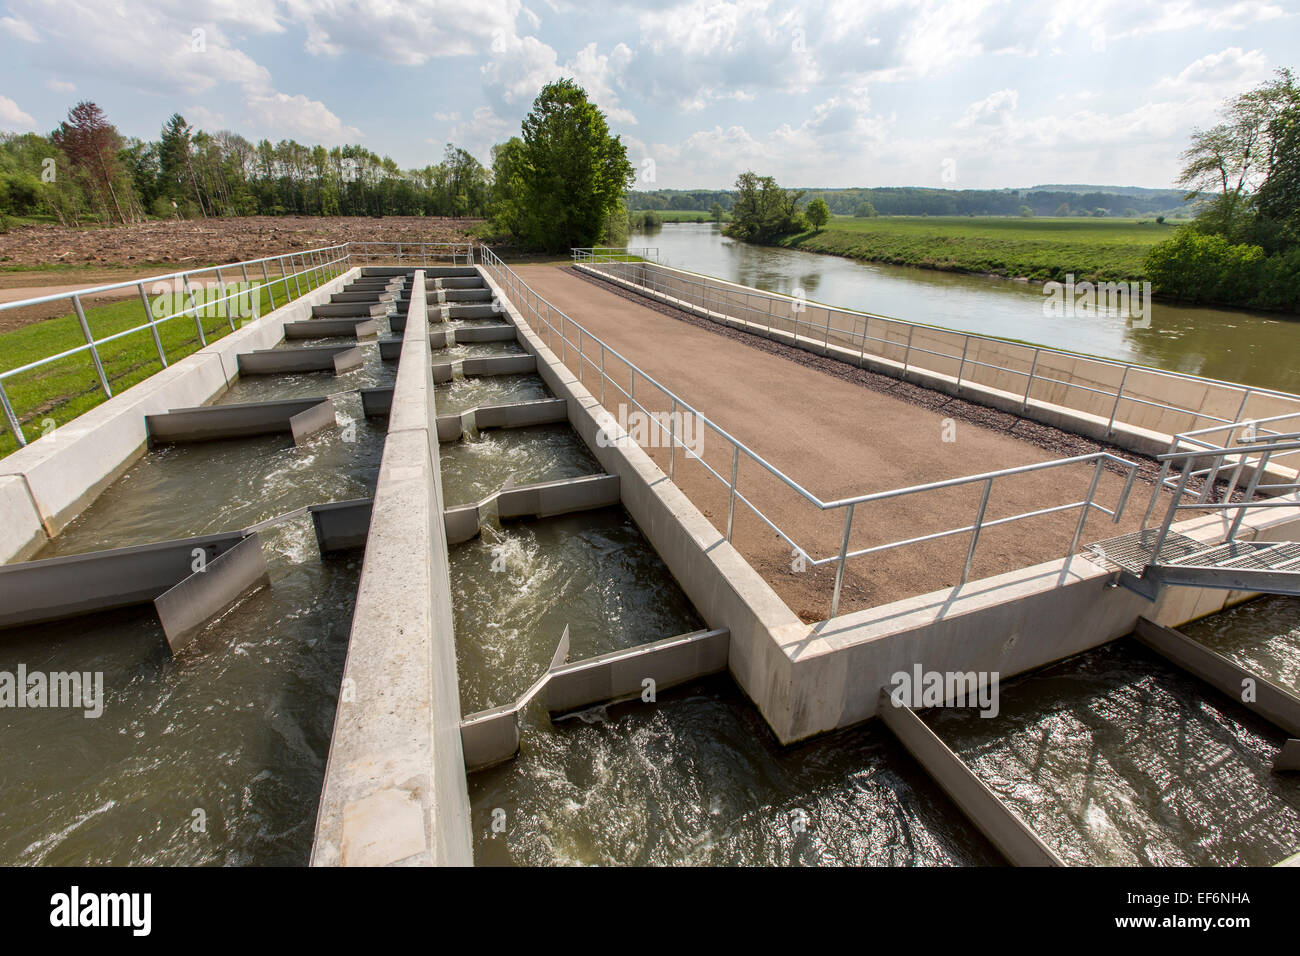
1261 349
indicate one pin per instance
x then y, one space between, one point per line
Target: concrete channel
504 454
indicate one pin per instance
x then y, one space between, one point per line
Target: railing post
962 368
221 291
1173 509
1119 393
602 372
731 502
296 284
1245 397
839 568
1083 513
907 353
975 532
248 289
270 290
12 418
1030 383
672 443
90 340
153 324
1260 468
194 310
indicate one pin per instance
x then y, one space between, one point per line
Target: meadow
1015 247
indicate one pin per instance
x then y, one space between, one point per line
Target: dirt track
839 433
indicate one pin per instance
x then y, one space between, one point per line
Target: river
1257 349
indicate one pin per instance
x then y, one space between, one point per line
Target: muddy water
1255 348
1262 636
519 586
474 468
696 778
216 755
1116 758
466 393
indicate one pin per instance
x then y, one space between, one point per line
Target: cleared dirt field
211 241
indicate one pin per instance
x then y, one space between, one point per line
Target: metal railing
320 264
569 335
453 253
760 309
1237 457
1227 450
616 254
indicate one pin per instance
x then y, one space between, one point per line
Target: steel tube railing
553 323
326 256
716 297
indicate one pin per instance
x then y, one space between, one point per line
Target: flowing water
1263 636
215 755
1115 757
1255 348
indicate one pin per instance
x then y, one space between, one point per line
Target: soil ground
839 432
42 259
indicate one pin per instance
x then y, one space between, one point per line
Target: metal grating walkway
1267 566
1133 551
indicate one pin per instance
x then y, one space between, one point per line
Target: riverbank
1040 249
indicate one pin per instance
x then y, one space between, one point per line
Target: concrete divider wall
724 589
1009 624
66 470
395 790
1145 427
810 680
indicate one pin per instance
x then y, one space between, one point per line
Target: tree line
924 201
85 172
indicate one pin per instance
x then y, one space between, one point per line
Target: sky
965 94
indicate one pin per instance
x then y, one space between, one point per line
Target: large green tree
564 180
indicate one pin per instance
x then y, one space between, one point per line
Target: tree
1026 212
91 143
865 210
1238 155
763 211
565 178
818 213
716 213
1062 210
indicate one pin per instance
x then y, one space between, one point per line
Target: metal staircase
1156 557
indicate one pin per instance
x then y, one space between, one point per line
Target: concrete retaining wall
57 476
724 589
395 790
1068 403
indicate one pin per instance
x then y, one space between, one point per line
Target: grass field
1096 249
54 394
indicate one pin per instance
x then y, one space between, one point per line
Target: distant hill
1050 200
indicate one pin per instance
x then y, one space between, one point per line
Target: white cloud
994 110
521 66
1219 75
60 86
13 116
298 116
20 28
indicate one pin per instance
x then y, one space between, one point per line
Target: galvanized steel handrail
530 300
597 256
321 261
461 253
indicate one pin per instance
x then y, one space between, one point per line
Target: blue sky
971 94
